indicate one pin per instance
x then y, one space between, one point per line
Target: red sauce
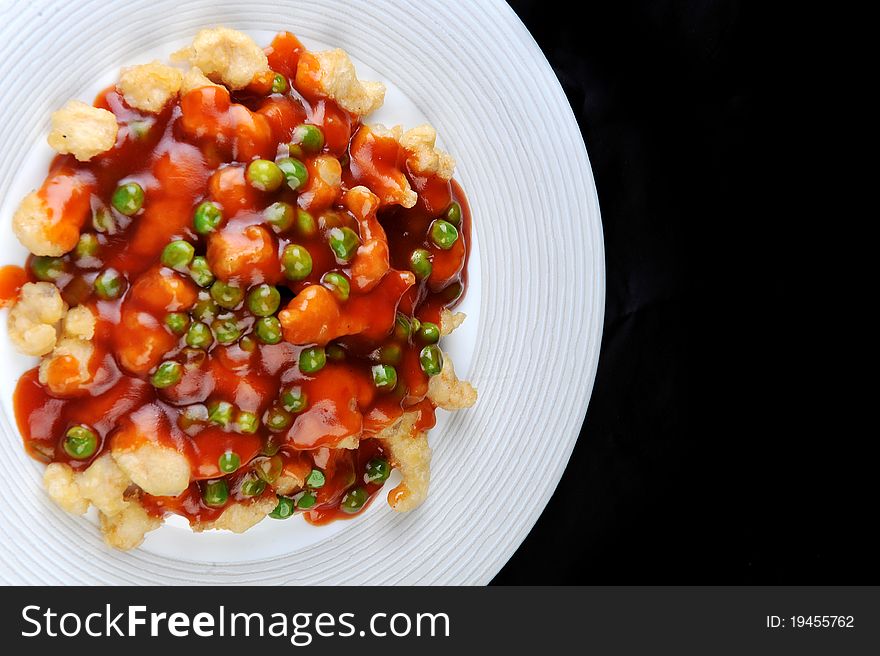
11 279
197 149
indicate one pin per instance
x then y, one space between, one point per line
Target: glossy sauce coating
197 149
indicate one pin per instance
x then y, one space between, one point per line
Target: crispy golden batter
447 391
82 130
79 322
411 454
450 321
126 530
156 469
424 156
239 517
30 222
60 483
226 56
338 80
287 483
351 442
194 79
104 485
33 320
81 351
124 522
149 87
78 328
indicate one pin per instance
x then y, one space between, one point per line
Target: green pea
87 246
443 234
284 509
47 269
353 500
312 359
294 399
315 479
402 327
264 175
247 344
279 83
263 300
420 263
338 284
429 333
390 354
205 309
247 422
453 213
80 442
384 377
306 224
305 500
378 471
268 469
296 262
199 335
335 353
178 254
251 487
279 216
344 242
226 330
103 220
177 322
200 272
109 284
268 330
215 493
277 418
431 359
229 462
272 445
295 172
220 412
226 295
167 374
128 198
308 137
207 217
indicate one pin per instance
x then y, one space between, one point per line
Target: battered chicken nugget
194 79
82 130
239 517
60 483
156 469
226 56
31 222
333 74
149 87
33 320
126 530
424 156
447 391
411 454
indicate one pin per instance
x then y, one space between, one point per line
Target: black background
704 457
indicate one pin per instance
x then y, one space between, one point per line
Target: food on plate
237 288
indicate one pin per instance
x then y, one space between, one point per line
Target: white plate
535 302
